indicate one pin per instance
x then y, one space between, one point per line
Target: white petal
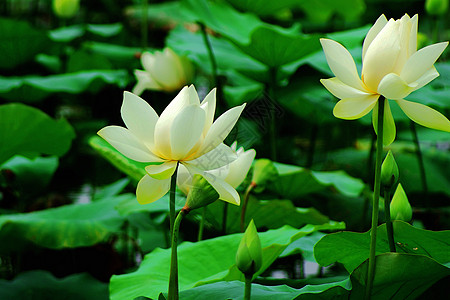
340 89
209 106
149 189
239 168
193 95
394 87
165 71
374 30
186 131
162 127
426 78
341 63
162 171
404 34
184 179
381 56
413 36
127 144
354 108
424 115
220 129
139 117
421 61
144 82
226 192
220 156
147 60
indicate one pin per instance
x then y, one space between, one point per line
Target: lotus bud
436 7
389 171
249 254
66 8
201 193
400 207
263 171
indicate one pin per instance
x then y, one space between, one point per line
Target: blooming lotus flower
391 67
230 175
163 71
183 134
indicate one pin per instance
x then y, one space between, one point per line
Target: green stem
173 187
423 175
244 205
202 224
248 287
272 126
369 178
211 55
173 279
376 199
224 217
144 25
387 216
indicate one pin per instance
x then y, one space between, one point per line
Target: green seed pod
263 172
436 7
389 171
66 8
201 193
400 207
249 254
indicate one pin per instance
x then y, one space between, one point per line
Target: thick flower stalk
391 67
184 134
163 71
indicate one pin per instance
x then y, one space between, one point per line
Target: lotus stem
423 176
202 224
248 287
173 279
173 187
376 199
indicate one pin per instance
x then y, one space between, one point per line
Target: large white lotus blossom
233 174
391 67
163 71
184 134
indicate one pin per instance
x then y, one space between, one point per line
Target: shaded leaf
29 132
40 285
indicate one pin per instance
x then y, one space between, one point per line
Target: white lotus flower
392 67
163 71
184 134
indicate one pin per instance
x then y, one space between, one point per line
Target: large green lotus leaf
294 181
270 214
19 43
314 103
272 45
399 276
29 132
352 248
234 290
262 7
134 169
320 11
203 262
228 56
31 175
82 60
69 226
42 285
129 206
304 246
34 88
275 46
122 56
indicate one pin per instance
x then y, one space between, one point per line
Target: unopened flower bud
249 254
201 193
263 172
436 7
389 171
400 207
66 8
